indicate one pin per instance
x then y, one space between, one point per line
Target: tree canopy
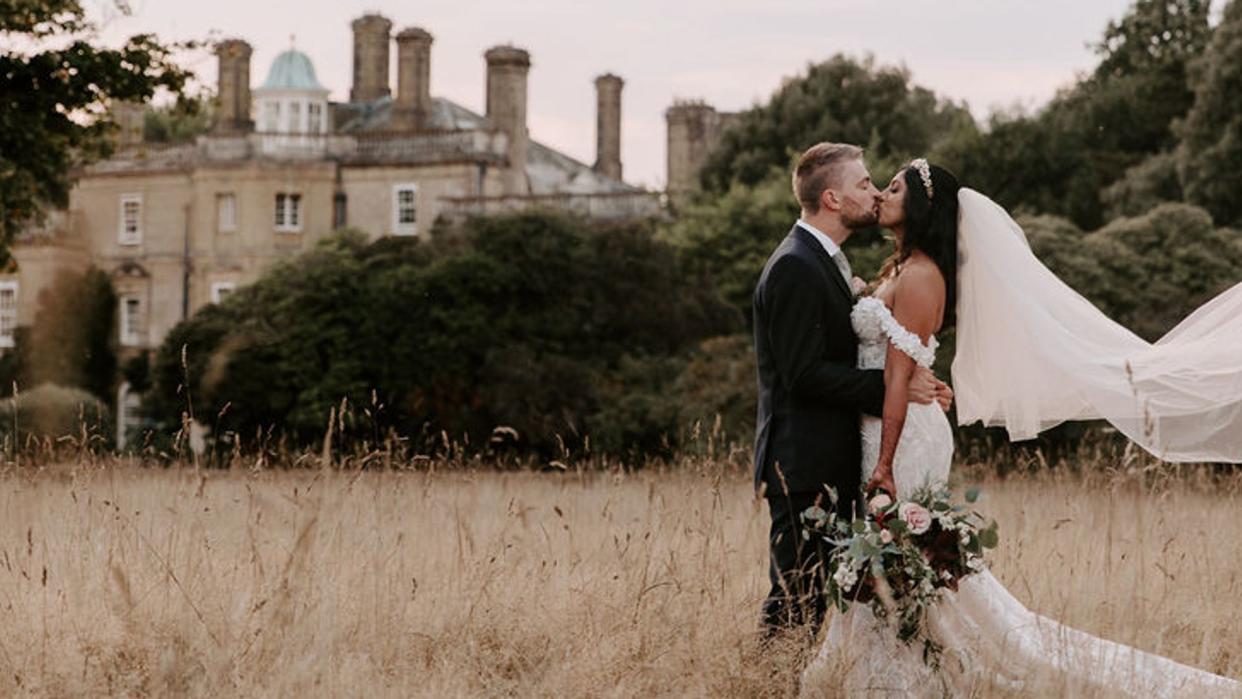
54 100
535 321
1211 147
841 99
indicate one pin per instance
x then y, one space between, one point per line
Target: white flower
915 516
845 577
974 563
879 502
886 536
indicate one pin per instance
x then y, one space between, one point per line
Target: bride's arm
918 303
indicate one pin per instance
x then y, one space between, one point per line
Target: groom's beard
860 218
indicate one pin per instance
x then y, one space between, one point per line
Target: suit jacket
811 395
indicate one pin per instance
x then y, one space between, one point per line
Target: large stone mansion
181 226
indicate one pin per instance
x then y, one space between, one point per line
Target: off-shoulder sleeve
908 342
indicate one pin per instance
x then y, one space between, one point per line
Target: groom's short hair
818 169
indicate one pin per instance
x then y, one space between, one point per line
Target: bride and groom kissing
848 405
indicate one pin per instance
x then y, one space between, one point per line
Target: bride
1031 353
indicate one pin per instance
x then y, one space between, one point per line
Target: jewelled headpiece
924 169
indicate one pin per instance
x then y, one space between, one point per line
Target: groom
811 396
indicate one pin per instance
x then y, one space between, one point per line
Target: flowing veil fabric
1033 353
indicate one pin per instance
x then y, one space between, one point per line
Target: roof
376 115
292 70
548 170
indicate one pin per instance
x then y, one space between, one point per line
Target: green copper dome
292 70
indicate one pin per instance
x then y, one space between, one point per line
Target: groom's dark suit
811 397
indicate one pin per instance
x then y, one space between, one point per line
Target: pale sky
731 53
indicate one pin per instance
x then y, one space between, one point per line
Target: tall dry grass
126 581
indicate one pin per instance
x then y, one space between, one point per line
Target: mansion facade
179 226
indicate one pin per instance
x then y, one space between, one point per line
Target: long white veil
1033 353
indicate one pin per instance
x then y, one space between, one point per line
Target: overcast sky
731 53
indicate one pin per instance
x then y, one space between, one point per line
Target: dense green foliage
1062 159
533 321
53 101
1147 272
1211 148
839 100
179 122
52 412
71 341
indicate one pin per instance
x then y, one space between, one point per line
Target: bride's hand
882 480
926 389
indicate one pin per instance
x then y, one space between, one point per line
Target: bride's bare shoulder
919 275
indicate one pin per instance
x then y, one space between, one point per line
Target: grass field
125 581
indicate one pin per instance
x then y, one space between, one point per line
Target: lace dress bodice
925 451
876 327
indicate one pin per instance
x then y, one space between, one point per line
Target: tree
1211 147
179 122
1142 82
70 343
1146 272
1061 159
841 99
534 321
54 101
1144 186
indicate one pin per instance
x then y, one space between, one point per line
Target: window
220 290
128 413
131 220
404 205
271 117
314 117
226 212
131 321
338 210
288 212
295 117
8 312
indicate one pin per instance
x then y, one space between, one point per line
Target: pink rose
879 502
886 536
915 516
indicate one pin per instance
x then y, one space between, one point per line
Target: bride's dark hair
930 227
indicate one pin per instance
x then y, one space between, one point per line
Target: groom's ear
830 199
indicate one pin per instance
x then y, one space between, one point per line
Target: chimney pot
233 87
371 39
608 125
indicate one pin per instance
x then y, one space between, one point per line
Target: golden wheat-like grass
126 581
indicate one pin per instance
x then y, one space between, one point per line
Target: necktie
844 265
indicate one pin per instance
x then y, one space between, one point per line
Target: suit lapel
806 238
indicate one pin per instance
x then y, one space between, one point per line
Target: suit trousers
797 566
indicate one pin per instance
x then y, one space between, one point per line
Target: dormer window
271 116
291 100
314 117
295 117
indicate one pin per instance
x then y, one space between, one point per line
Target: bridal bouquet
901 556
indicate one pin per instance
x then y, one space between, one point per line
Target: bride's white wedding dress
990 639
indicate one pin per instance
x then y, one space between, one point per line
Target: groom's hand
925 388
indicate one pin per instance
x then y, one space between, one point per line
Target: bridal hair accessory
924 169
